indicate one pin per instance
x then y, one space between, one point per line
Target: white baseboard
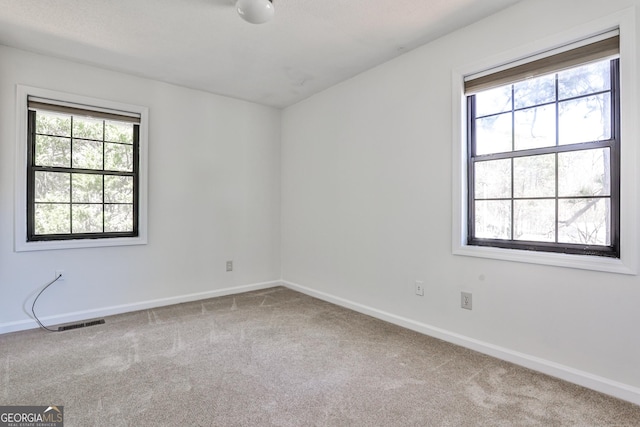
21 325
585 379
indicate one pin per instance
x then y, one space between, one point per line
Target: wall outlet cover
419 286
466 300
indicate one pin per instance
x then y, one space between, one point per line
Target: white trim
628 262
76 316
575 376
20 202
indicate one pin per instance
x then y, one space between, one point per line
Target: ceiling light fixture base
255 11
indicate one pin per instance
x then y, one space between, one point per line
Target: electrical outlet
229 265
419 288
59 273
466 300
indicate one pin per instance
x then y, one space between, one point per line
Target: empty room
340 213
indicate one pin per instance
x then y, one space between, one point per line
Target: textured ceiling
203 44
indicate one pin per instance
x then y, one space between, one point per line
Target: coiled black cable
33 306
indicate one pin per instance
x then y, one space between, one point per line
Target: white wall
367 209
214 195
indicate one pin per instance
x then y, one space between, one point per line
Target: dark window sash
32 169
613 144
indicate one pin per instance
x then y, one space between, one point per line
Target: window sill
79 244
583 262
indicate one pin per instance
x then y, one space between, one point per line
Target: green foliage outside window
82 176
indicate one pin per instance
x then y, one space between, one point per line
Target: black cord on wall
36 299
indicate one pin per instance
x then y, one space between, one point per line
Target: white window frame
627 263
20 203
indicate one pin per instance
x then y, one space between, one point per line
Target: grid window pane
535 127
585 119
584 173
86 188
493 101
493 134
86 218
52 187
53 124
493 219
118 132
493 179
118 218
52 218
534 220
534 176
537 91
118 189
584 80
88 128
53 151
118 157
585 221
87 154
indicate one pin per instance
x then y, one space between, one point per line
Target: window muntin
82 178
544 162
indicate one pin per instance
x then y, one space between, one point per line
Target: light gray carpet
278 357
